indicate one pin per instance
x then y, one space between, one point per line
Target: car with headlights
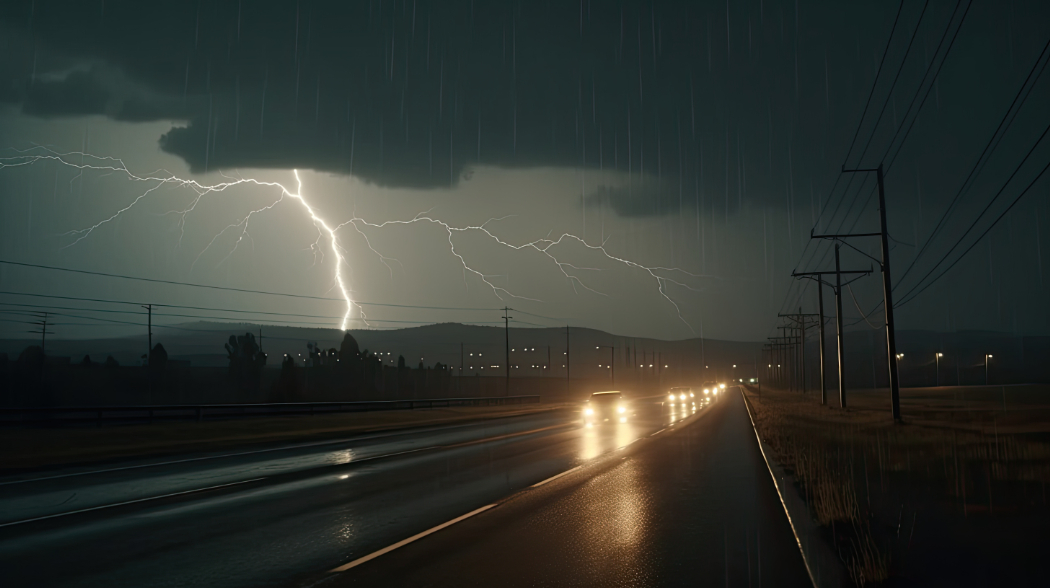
711 388
680 394
604 407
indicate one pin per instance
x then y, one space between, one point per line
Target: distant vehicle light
622 409
588 411
722 386
691 395
706 391
623 419
672 398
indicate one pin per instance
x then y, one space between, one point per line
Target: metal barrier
100 415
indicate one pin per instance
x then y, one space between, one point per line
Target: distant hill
1016 358
202 344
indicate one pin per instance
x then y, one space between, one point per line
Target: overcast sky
697 143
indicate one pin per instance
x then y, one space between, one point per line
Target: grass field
966 471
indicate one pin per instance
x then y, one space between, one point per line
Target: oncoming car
605 407
712 388
680 394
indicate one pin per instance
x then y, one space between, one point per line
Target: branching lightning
662 276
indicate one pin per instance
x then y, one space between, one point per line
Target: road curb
824 566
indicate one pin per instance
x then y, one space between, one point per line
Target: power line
907 298
214 318
933 82
860 124
230 289
875 83
989 147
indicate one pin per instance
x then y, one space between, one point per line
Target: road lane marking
137 500
555 477
658 432
404 542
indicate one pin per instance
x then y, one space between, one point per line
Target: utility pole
790 375
838 329
506 331
837 287
42 323
802 348
149 351
149 327
800 319
820 312
778 347
887 288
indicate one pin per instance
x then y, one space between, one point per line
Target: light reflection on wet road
317 507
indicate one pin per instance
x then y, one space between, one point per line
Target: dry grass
969 450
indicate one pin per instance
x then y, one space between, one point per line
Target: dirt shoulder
44 448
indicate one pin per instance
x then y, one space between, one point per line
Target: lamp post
937 376
987 356
612 362
900 356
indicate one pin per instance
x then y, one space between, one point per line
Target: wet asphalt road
675 496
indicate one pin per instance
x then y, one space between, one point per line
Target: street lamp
987 356
937 376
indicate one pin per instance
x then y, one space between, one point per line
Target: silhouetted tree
158 360
110 363
246 361
86 362
400 362
286 388
313 355
348 349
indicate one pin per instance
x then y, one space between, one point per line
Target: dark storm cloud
745 103
99 90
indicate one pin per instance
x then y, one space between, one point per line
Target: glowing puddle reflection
614 534
598 439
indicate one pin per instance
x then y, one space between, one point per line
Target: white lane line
552 478
658 432
404 542
137 500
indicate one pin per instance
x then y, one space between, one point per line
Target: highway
677 495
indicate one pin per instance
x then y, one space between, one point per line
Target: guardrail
99 415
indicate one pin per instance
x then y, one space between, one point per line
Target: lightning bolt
162 178
548 247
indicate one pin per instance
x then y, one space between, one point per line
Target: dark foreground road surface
677 495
